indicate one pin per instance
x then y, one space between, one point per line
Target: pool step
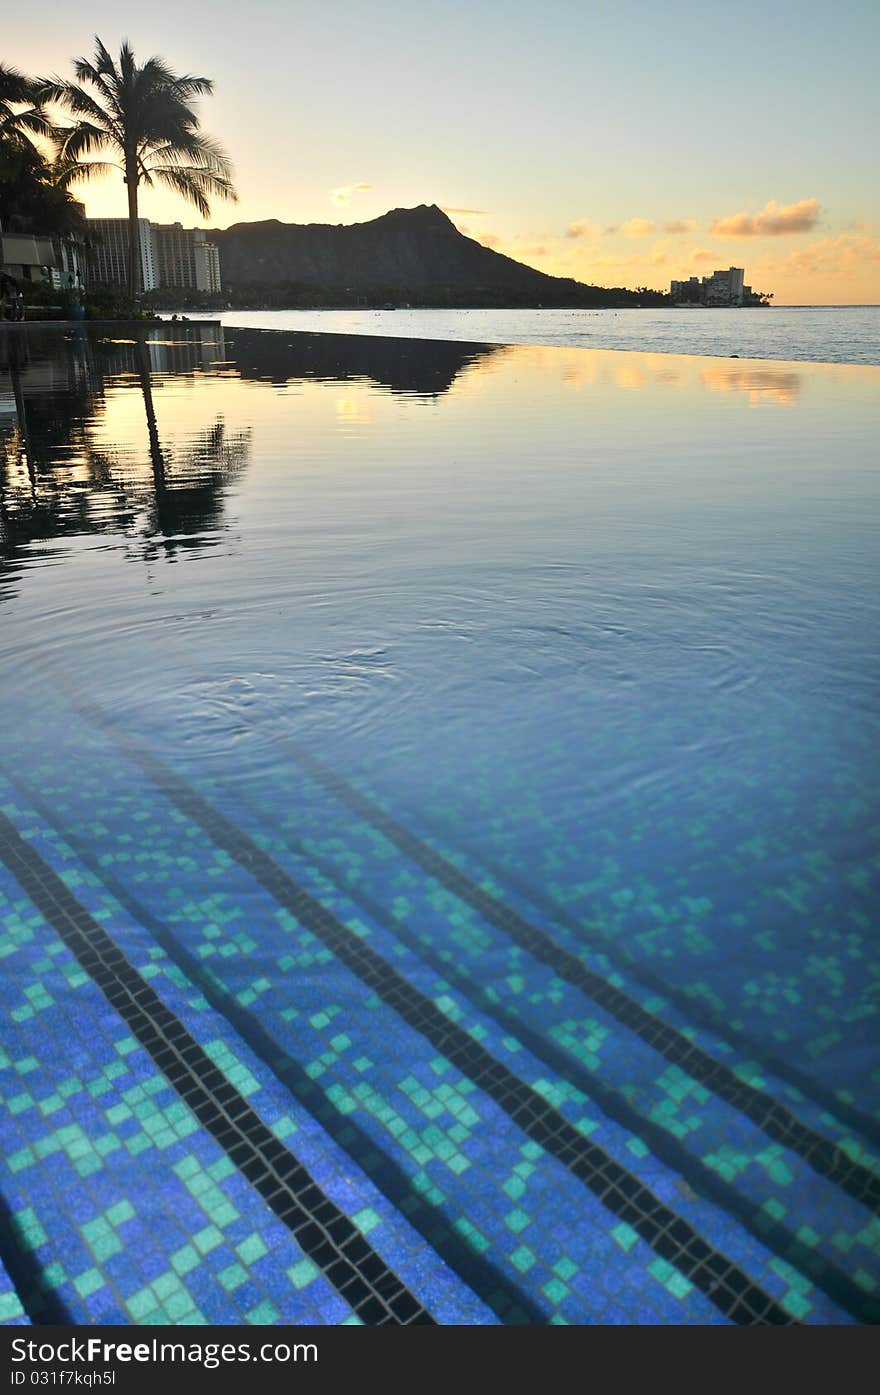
679 1047
718 1151
239 972
151 1207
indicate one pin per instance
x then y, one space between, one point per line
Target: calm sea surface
825 334
439 823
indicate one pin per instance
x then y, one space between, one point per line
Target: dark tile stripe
670 1236
772 1117
323 1232
41 1304
697 1011
813 1264
509 1302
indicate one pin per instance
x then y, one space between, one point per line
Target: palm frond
21 112
81 171
75 142
194 185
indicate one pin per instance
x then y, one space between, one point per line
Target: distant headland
408 257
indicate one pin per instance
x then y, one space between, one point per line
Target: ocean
819 333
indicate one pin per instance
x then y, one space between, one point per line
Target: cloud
584 228
700 254
488 239
343 194
468 212
835 256
677 226
773 220
638 227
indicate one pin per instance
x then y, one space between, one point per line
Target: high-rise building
174 255
186 258
171 255
725 287
721 288
108 252
207 259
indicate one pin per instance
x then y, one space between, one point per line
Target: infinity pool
439 814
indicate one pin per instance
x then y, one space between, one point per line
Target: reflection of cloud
773 220
776 385
638 227
629 374
581 372
677 226
343 194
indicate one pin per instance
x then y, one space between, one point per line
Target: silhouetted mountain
415 254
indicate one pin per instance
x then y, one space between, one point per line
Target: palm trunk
134 237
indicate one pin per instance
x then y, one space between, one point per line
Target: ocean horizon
817 334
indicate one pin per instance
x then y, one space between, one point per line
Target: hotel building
171 255
720 289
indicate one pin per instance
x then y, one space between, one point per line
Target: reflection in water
57 481
185 514
763 385
62 473
415 367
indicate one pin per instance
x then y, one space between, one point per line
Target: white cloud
343 195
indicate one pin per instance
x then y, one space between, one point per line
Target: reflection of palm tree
204 467
143 368
21 417
141 115
75 484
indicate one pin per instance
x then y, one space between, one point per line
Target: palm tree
141 115
21 115
33 195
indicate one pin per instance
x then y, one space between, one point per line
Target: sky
622 142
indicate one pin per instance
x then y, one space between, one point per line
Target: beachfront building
207 262
722 288
725 287
27 258
171 256
36 257
186 258
108 252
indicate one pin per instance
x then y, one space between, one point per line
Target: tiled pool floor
498 1068
285 1042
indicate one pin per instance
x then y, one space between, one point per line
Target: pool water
438 833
